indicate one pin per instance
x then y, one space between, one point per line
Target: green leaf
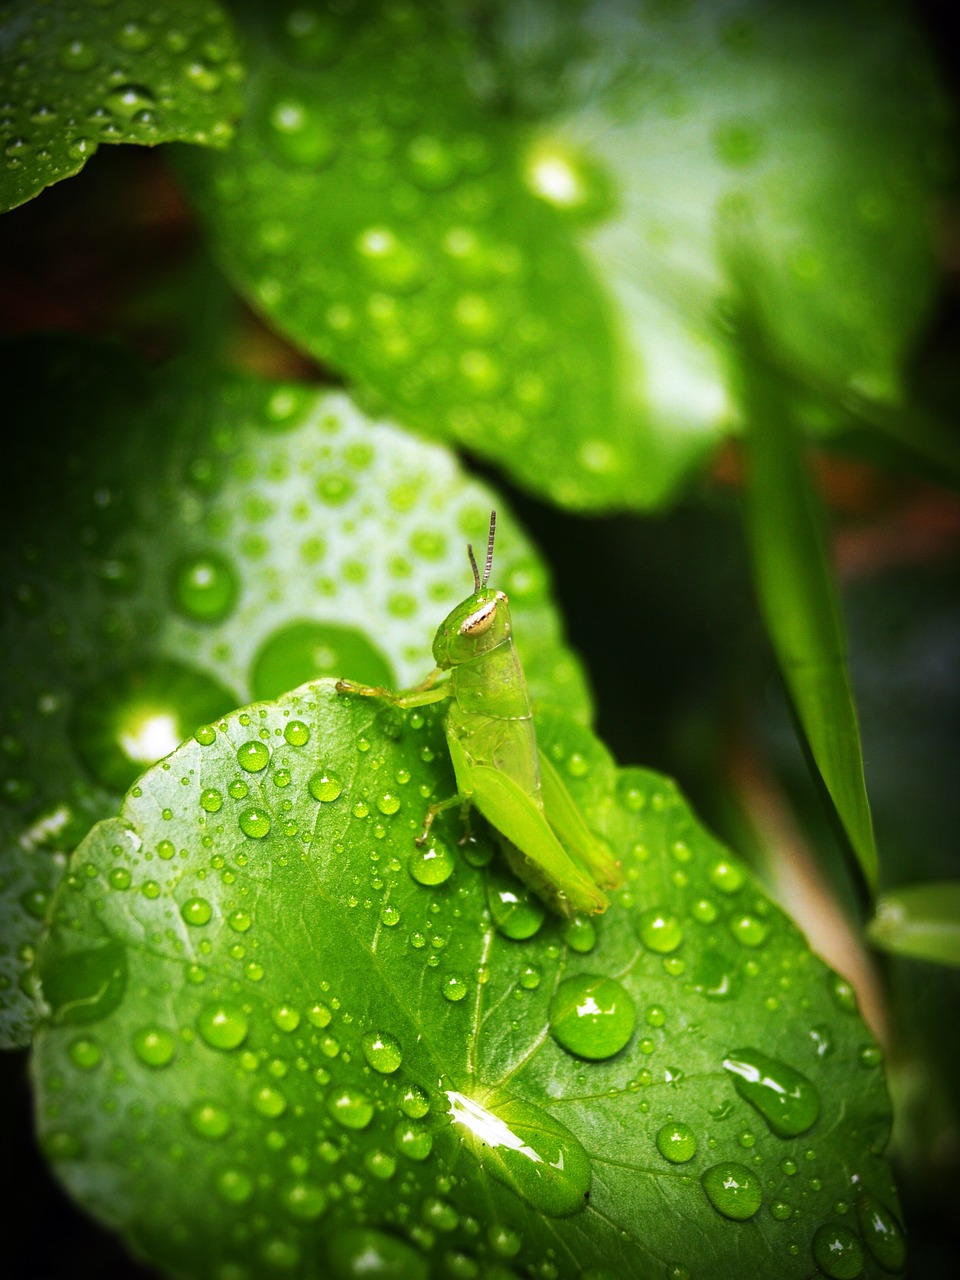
188 543
920 920
798 599
274 1043
75 75
507 221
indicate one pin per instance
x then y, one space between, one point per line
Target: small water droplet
579 933
837 1251
85 1053
303 1200
154 1046
592 1016
351 1108
234 1186
204 587
296 733
211 800
298 135
382 1052
253 756
516 911
210 1120
77 55
269 1102
222 1026
733 1190
677 1142
659 931
196 911
453 987
432 864
415 1103
255 823
128 100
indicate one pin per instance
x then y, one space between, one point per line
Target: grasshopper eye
479 622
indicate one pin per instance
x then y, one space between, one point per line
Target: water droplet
126 723
128 100
303 1200
382 1052
325 786
298 135
222 1026
296 733
388 803
84 986
415 1103
659 931
211 800
516 911
255 823
209 1120
85 1053
305 651
204 587
154 1046
362 1252
196 911
134 37
319 1015
591 1016
234 1186
783 1096
351 1108
527 1150
205 735
381 1164
433 863
677 1143
389 915
881 1231
286 1017
238 789
843 993
453 987
269 1102
749 930
413 1141
579 933
119 878
837 1251
388 262
253 756
733 1190
77 55
530 976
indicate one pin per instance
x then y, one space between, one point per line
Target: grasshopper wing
568 822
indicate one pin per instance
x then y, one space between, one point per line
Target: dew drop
782 1095
732 1190
325 786
209 1120
415 1103
319 1015
119 878
255 823
579 933
516 911
77 55
296 733
453 988
837 1251
196 911
592 1017
211 800
530 976
527 1150
269 1102
234 1186
726 876
85 1053
299 136
205 735
749 930
128 100
286 1017
154 1046
303 1200
413 1141
363 1252
382 1052
881 1232
253 756
351 1108
388 803
305 651
677 1143
659 931
388 262
432 864
222 1026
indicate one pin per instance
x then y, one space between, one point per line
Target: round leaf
271 1046
187 544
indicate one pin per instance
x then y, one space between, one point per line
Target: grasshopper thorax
477 625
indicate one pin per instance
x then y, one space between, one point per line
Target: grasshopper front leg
420 695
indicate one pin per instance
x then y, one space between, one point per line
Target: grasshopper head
474 627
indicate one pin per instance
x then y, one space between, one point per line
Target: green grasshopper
496 761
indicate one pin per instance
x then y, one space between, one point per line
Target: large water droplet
784 1097
677 1142
592 1016
351 1108
84 986
382 1052
255 823
660 931
528 1150
209 1120
733 1190
204 587
222 1026
837 1251
253 756
303 1200
154 1046
128 100
432 863
516 911
413 1140
579 933
881 1232
122 725
306 651
196 911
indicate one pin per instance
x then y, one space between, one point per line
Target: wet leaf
316 1057
189 542
507 221
74 76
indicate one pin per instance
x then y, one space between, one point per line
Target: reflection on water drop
784 1096
677 1142
204 587
592 1016
363 1252
527 1150
837 1251
516 911
881 1231
733 1190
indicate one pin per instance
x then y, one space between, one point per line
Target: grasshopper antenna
489 565
473 566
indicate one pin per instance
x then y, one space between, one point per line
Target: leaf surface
282 1038
507 221
190 542
74 76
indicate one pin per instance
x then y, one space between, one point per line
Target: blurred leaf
76 75
798 599
507 220
188 542
919 920
276 1042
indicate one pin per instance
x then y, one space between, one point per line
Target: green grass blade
920 920
799 602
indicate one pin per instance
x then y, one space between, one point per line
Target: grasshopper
493 748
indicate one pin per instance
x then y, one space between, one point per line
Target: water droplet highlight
837 1251
783 1096
677 1143
732 1190
592 1016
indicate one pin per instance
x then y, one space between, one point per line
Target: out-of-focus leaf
799 602
920 920
282 1040
507 220
74 75
183 544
